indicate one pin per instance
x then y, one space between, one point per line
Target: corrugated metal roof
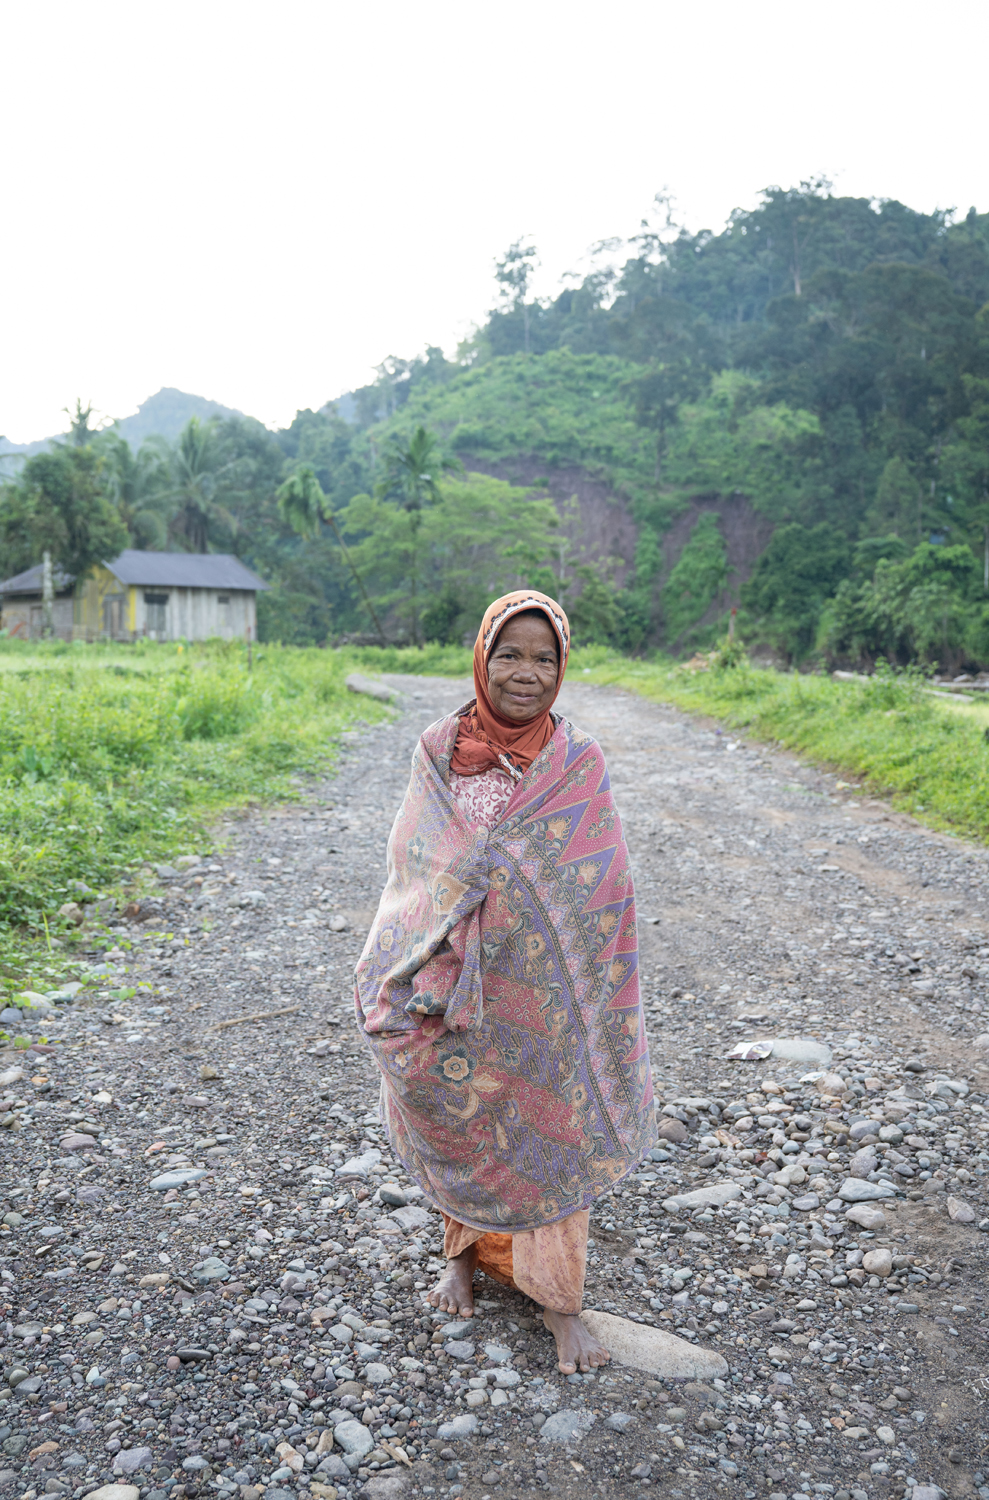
184 570
31 581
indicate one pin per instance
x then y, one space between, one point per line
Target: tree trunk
357 577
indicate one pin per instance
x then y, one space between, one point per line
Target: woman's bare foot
454 1292
576 1347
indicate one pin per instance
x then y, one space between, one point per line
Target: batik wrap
498 991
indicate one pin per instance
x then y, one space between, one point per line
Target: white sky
259 202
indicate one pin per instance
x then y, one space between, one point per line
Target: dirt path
773 907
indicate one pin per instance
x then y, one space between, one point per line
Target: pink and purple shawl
498 991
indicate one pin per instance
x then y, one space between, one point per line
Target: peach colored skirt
546 1264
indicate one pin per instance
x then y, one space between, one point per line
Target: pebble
854 1190
169 1180
129 1460
866 1216
566 1427
353 1437
961 1212
714 1196
878 1262
460 1427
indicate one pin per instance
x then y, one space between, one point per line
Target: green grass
927 756
111 756
425 661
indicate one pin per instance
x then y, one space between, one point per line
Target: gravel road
259 1326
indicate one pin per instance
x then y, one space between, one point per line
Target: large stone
177 1179
129 1460
359 1166
115 1492
854 1190
358 683
714 1196
566 1427
669 1128
387 1487
960 1211
76 1141
802 1049
653 1350
211 1269
866 1216
411 1217
878 1262
354 1438
460 1427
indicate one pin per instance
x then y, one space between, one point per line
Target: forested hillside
792 414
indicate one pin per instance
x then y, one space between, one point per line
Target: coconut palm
200 473
138 484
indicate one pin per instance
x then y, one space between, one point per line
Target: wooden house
163 596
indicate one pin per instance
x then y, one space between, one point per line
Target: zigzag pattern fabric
498 991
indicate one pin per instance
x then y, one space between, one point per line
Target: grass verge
928 756
112 756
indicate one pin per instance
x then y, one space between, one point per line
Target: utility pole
47 598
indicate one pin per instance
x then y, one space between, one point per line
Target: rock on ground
654 1350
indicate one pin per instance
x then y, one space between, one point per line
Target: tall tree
138 485
303 505
201 484
513 274
60 505
412 470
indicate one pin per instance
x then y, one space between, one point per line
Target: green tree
479 537
60 505
80 432
513 273
303 505
914 608
897 509
138 485
596 614
201 486
790 585
698 577
412 470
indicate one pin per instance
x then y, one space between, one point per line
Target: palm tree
138 484
412 471
199 474
303 506
80 432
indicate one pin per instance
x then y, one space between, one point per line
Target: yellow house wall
91 593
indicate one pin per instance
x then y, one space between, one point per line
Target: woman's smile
523 668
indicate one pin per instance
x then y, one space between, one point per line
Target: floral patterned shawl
498 991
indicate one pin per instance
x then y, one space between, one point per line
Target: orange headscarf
485 736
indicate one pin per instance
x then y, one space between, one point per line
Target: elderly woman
498 989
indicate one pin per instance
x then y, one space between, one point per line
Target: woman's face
522 667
